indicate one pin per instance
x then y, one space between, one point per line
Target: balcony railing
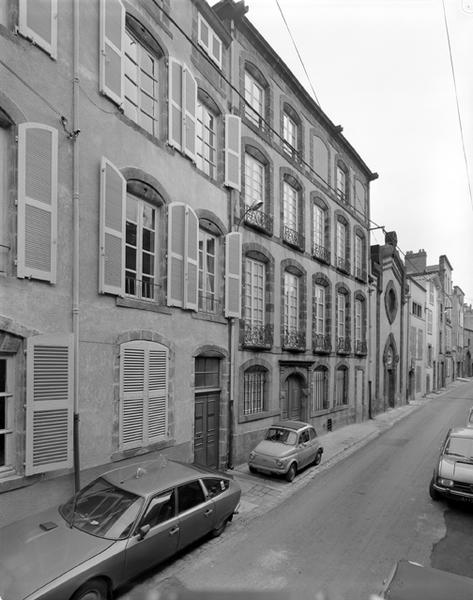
292 237
143 288
257 336
209 304
341 195
343 264
321 343
343 345
291 151
360 273
320 253
293 339
361 347
260 220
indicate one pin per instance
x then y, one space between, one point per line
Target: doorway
292 402
207 411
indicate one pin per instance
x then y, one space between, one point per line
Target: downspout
75 258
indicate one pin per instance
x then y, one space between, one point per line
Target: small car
117 526
453 474
288 446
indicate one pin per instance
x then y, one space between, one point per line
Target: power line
298 53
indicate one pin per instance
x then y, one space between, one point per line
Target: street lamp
253 207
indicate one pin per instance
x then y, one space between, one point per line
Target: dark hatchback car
453 473
121 524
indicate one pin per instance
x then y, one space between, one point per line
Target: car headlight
445 482
280 462
252 455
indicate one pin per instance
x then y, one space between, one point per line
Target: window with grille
206 144
320 389
254 386
254 181
253 310
341 241
289 134
290 206
141 85
291 301
341 382
319 225
358 256
319 309
207 271
254 100
341 314
358 321
140 248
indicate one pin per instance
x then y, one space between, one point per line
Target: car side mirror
143 531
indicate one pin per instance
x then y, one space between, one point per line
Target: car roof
464 432
147 477
295 425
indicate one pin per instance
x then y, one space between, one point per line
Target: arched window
320 389
360 345
320 231
342 182
342 244
341 386
291 132
293 323
343 320
321 317
256 94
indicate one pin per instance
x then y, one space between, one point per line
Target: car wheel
220 529
433 492
253 470
318 457
291 473
95 589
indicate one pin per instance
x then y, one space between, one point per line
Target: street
343 532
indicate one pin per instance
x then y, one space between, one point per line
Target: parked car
288 446
118 526
453 474
469 421
411 581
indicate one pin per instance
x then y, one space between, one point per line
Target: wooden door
206 424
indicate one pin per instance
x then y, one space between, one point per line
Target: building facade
417 355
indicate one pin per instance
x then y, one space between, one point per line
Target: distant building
468 340
417 354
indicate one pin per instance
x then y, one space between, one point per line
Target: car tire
318 457
217 532
291 472
433 492
95 589
253 470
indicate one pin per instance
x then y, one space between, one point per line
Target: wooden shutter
157 421
37 20
192 260
112 230
190 112
37 201
175 108
49 403
112 31
232 151
233 274
183 244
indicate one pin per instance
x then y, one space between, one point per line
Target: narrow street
344 531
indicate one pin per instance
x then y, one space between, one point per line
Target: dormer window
210 41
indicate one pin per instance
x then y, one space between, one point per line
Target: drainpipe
75 259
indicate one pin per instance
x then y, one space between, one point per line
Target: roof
465 432
296 425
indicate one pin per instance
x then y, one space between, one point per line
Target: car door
304 448
156 537
313 443
196 512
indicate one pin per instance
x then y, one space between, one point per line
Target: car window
160 509
190 495
304 437
312 434
215 486
284 436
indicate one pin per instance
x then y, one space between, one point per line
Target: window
320 159
359 337
215 486
320 233
320 389
160 509
429 321
140 248
341 249
319 309
341 315
431 292
143 393
141 85
254 181
341 386
291 302
254 100
5 233
207 272
255 283
209 41
417 309
359 270
341 183
207 372
319 225
290 206
304 437
7 450
206 146
190 495
38 22
254 390
289 134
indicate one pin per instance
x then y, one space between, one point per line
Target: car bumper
453 493
264 467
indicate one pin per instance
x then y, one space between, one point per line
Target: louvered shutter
112 228
157 422
175 108
176 239
37 201
232 151
192 255
38 22
49 403
112 31
233 274
190 110
132 394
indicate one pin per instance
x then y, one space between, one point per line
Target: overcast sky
381 69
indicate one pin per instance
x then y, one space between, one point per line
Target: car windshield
459 446
102 509
284 436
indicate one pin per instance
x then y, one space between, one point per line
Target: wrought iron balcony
341 195
143 288
257 336
343 264
320 253
260 220
209 304
293 339
360 273
291 151
293 237
361 347
343 345
321 343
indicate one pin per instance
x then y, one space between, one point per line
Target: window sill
123 454
259 416
142 305
13 481
201 316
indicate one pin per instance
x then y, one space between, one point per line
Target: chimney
416 261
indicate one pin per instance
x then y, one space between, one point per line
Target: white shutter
37 201
232 151
175 108
157 422
191 271
112 230
37 20
112 33
189 112
233 274
176 238
49 388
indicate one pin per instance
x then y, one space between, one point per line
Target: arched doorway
293 404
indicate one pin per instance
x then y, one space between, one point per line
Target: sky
382 70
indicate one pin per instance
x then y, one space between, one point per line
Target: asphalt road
344 531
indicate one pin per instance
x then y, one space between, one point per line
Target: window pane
190 495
